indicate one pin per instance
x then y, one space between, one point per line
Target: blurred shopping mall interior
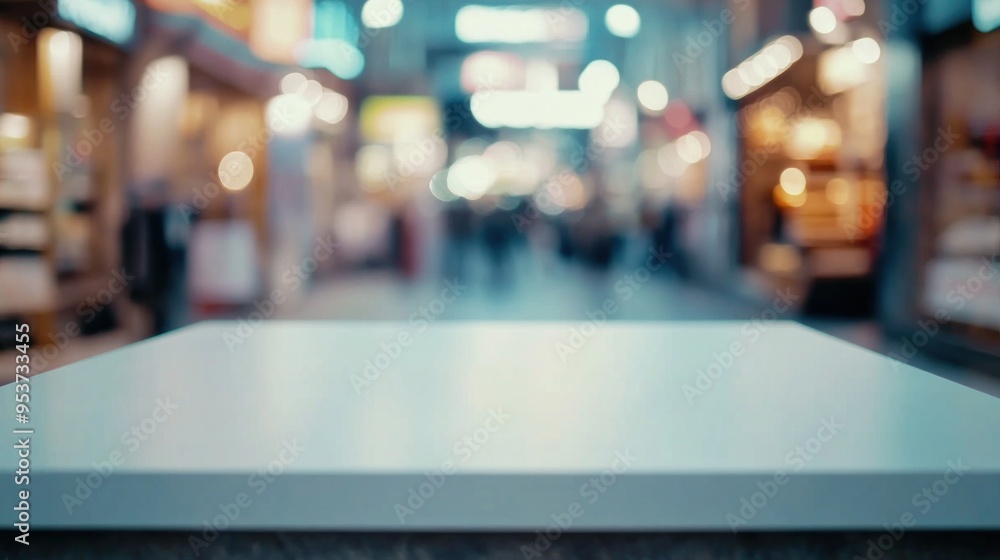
834 162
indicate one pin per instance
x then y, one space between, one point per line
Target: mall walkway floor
534 290
538 289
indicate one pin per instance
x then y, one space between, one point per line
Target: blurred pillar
897 292
159 98
154 88
289 216
277 27
712 240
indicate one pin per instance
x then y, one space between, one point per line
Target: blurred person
779 225
564 226
498 234
404 242
668 236
459 228
525 218
597 234
153 251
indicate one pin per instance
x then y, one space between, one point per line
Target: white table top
365 444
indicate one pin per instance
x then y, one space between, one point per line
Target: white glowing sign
112 19
488 24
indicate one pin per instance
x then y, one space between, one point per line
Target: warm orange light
838 191
235 171
277 28
231 15
793 181
788 200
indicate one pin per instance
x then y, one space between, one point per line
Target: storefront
241 166
810 177
954 171
63 120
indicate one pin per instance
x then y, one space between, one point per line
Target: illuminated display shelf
500 426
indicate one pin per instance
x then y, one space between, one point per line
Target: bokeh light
867 50
823 20
378 14
622 20
793 181
599 78
235 171
652 96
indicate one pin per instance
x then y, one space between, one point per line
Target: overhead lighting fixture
564 109
488 24
762 67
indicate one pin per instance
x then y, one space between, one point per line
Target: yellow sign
233 16
396 119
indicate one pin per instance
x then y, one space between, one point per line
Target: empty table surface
505 426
